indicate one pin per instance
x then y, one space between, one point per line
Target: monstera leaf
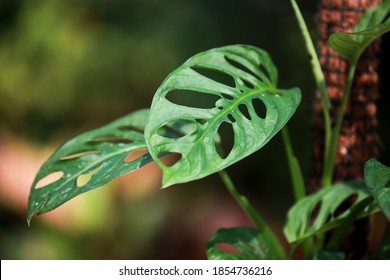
324 210
91 160
374 23
226 86
377 178
247 244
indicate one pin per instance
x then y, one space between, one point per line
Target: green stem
293 251
331 153
298 186
253 215
295 170
317 72
307 249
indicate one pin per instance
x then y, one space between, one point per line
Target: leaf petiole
318 74
334 141
255 217
295 170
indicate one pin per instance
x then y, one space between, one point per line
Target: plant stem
253 215
295 170
317 72
298 186
293 251
330 157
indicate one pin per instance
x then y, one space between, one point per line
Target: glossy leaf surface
236 80
89 161
244 244
374 23
377 177
323 210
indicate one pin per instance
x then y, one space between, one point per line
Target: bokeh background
70 66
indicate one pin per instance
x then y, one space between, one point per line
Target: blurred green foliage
67 63
68 66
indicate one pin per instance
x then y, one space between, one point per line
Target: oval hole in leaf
231 118
227 96
345 205
265 72
171 159
83 179
227 248
244 110
169 131
314 213
260 109
192 99
387 18
131 128
134 155
110 139
242 67
216 75
226 132
248 84
201 121
51 178
80 154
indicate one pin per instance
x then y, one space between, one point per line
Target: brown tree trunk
358 140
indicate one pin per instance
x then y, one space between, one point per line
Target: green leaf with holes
373 24
241 243
377 177
324 210
222 87
91 160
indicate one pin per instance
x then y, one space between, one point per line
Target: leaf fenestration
319 212
373 24
94 158
89 161
255 81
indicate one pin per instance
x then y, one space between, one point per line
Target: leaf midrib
225 111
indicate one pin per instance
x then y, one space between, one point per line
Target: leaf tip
31 209
168 179
166 184
29 218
